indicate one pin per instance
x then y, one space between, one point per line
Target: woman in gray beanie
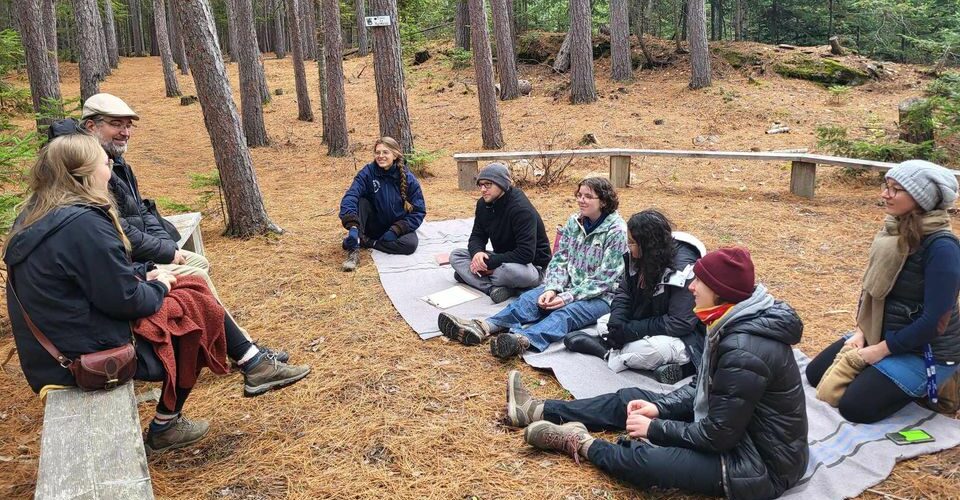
908 328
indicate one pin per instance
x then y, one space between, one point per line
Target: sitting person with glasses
577 288
521 250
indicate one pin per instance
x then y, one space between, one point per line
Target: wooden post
803 178
620 171
467 175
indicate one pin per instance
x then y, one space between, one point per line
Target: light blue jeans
546 327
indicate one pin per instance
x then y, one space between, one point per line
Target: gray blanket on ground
406 278
845 458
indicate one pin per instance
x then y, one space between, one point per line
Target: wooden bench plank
188 225
91 447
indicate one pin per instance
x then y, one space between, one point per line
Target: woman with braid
383 207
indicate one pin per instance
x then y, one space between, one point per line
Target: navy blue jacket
148 238
382 188
76 282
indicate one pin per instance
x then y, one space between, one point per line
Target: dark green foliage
824 71
459 58
738 59
834 140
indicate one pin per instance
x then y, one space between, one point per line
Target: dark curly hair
609 202
653 232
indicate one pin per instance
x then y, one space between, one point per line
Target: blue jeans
546 327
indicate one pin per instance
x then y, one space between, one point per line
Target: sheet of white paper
452 296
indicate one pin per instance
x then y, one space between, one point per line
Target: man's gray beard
113 150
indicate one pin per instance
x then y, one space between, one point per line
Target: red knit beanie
728 272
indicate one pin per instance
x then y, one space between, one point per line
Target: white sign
376 21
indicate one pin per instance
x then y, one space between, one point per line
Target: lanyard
931 374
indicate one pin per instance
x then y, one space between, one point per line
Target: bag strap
41 338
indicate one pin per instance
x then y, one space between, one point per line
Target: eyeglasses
119 124
584 196
485 185
891 190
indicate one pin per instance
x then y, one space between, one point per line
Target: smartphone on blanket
912 436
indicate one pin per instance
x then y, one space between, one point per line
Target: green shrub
169 206
8 210
460 59
419 162
834 139
947 86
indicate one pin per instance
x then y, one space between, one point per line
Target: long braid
402 164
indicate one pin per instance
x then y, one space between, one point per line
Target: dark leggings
403 245
237 346
871 397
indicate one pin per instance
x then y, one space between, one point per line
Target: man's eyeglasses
484 185
119 124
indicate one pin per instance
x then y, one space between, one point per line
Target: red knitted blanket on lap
191 313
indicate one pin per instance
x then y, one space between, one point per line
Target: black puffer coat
756 418
148 238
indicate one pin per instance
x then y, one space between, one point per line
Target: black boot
586 344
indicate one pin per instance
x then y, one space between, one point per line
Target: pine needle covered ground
385 414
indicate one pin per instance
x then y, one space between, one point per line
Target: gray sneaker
509 345
465 331
522 408
271 373
181 433
353 260
565 438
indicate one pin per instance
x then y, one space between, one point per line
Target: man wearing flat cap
506 218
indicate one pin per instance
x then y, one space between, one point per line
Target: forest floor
386 414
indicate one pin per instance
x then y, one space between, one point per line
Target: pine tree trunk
279 38
739 15
506 58
582 87
179 53
137 28
337 139
91 62
247 215
110 33
311 27
304 111
102 40
251 98
44 84
388 74
48 10
322 75
620 63
461 28
166 55
697 39
363 45
232 42
483 66
151 34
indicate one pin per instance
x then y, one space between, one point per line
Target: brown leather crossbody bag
94 371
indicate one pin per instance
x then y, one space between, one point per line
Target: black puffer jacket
667 311
148 238
74 279
756 416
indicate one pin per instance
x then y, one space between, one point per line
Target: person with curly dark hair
577 288
652 325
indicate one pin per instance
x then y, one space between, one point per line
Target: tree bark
388 75
279 38
232 42
304 111
321 74
179 52
337 140
483 66
621 68
246 214
251 97
91 61
506 59
110 34
561 63
136 28
697 38
310 26
166 55
363 45
582 87
461 28
44 84
48 10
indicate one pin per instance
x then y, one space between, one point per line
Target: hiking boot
585 343
270 373
353 260
508 345
180 433
565 438
467 332
522 408
281 355
669 374
499 294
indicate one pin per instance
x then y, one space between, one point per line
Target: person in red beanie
738 430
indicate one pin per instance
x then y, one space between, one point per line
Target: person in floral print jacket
578 287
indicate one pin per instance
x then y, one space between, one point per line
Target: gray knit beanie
497 173
931 186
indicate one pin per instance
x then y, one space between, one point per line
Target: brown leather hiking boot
271 373
522 408
465 331
181 433
566 438
508 345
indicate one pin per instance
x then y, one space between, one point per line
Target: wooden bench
803 171
91 446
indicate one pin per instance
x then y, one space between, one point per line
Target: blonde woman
69 264
383 207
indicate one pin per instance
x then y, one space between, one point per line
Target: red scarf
708 315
